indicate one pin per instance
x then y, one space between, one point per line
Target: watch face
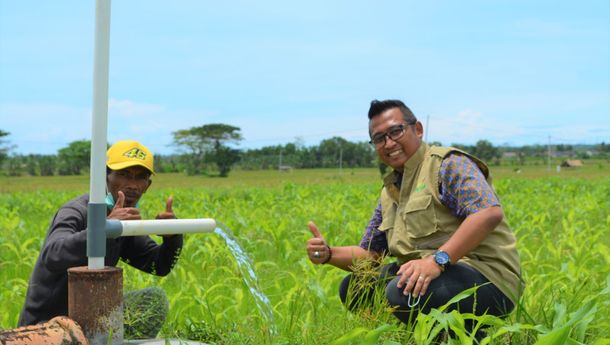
441 258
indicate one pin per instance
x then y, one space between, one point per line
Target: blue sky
512 72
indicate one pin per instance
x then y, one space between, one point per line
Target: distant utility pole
549 155
427 126
340 160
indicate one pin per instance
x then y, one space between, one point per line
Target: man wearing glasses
129 166
439 216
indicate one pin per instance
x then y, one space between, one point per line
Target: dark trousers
356 291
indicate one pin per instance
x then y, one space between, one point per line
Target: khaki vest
417 223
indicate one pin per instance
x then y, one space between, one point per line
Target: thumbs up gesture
120 212
317 250
168 213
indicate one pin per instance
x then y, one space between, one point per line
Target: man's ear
149 183
419 129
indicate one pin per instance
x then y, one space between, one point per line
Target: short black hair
378 107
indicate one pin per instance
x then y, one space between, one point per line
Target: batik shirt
463 190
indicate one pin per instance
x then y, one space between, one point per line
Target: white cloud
468 126
152 124
127 108
284 128
44 128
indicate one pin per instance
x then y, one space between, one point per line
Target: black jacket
65 247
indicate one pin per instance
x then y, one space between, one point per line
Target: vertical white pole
99 127
426 131
548 168
340 159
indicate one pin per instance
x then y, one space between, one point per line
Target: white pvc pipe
166 226
99 123
95 263
99 116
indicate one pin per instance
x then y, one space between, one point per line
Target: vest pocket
419 217
387 221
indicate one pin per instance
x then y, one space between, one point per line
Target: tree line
210 150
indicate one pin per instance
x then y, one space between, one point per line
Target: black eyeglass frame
380 139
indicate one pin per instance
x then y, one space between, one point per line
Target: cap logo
135 153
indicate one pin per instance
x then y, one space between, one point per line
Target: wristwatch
442 259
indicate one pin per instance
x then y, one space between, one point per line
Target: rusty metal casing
95 301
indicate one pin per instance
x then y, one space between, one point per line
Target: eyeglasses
394 133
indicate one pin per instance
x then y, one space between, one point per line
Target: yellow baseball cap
127 153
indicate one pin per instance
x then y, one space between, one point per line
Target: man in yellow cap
129 167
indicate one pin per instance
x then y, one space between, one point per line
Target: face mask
110 201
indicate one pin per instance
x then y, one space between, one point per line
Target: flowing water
245 267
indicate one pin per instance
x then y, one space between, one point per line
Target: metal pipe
95 302
166 226
96 236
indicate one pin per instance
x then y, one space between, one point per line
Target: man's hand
416 275
317 249
167 214
123 213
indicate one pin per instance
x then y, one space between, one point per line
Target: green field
562 222
592 169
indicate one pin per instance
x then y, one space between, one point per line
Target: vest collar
415 160
393 181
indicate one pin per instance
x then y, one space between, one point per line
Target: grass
561 223
592 169
237 179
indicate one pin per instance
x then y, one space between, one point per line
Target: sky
516 72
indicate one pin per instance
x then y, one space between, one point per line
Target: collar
414 162
393 180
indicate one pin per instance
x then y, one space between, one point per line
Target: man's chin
396 163
131 202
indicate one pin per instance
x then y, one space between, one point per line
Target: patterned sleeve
373 239
463 187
